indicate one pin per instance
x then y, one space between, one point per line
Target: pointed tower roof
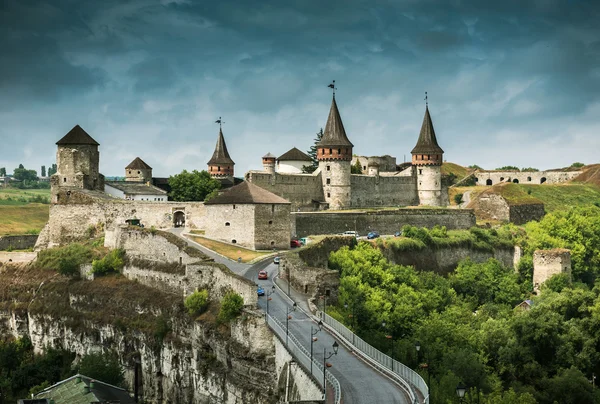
334 134
138 164
427 143
221 155
77 136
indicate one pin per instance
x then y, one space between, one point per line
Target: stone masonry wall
272 227
384 221
492 207
300 386
312 281
231 223
22 242
521 214
550 177
383 190
550 262
300 189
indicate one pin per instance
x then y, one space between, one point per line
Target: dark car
372 235
276 260
295 243
260 291
262 274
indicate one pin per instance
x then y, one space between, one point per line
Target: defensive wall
492 206
294 383
385 163
21 242
383 221
380 190
522 177
304 191
547 263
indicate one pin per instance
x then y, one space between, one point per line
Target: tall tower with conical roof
334 153
427 158
220 165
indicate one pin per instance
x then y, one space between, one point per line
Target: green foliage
52 170
194 186
2 171
508 168
112 262
475 167
23 174
66 260
557 282
439 237
197 302
458 199
103 367
162 327
577 165
231 307
312 152
356 168
529 169
212 194
43 171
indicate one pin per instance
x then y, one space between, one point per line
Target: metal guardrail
303 356
404 373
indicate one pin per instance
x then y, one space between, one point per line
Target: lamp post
324 297
391 338
269 297
426 365
460 391
287 321
335 347
313 339
353 329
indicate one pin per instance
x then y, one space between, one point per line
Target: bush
458 198
577 165
66 260
197 302
113 262
103 367
231 307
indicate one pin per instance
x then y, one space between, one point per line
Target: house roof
74 391
77 136
246 193
334 134
294 154
427 143
221 155
138 164
135 188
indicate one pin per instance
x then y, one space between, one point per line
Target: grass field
230 251
564 196
19 214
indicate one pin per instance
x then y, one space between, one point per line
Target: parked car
295 243
260 291
276 260
262 274
398 233
350 233
372 235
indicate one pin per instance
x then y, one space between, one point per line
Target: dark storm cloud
149 77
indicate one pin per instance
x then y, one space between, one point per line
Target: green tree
2 171
312 152
23 174
197 302
103 367
356 168
194 186
231 307
52 170
475 167
577 165
508 168
529 169
43 171
458 198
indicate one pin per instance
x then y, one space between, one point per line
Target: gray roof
74 391
138 164
220 155
77 136
246 193
136 188
335 134
427 143
294 154
269 156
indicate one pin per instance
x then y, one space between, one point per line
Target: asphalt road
360 383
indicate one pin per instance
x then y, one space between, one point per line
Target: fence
404 373
303 357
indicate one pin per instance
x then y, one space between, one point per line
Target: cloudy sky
509 82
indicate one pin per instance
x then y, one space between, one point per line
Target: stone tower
220 165
268 161
550 262
427 158
77 162
334 153
138 171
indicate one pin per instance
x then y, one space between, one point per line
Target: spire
77 136
221 155
334 134
427 143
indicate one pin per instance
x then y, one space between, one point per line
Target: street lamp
324 297
335 347
353 327
426 365
269 297
287 321
460 391
313 339
391 338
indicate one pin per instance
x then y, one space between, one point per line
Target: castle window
328 195
328 181
328 169
219 168
270 222
420 171
233 206
65 179
129 171
330 152
339 151
501 178
272 207
233 241
529 179
364 167
272 243
139 172
227 224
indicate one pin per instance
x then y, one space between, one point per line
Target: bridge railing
404 373
302 355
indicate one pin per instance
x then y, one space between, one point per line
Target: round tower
268 161
334 153
427 158
221 165
78 161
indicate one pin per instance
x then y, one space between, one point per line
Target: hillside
591 175
23 210
458 171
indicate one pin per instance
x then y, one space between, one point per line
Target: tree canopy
192 186
312 152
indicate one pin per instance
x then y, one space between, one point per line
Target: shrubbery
197 302
66 260
112 262
104 367
231 307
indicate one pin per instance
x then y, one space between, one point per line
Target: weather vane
426 102
220 122
332 86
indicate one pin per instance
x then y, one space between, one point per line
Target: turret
427 158
138 171
334 153
373 168
268 161
221 165
77 162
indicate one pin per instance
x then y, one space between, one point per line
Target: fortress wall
21 242
521 214
551 177
383 221
274 235
300 189
239 220
383 191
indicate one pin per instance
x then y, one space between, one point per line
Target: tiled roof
135 188
74 390
294 154
334 134
77 136
138 164
427 143
246 193
220 155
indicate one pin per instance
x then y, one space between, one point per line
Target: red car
262 274
295 243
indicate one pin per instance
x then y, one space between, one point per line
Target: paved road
360 383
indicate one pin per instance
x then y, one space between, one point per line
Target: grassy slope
451 168
17 216
564 196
